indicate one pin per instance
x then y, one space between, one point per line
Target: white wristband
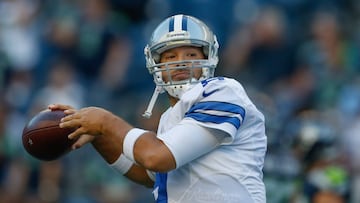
129 142
122 164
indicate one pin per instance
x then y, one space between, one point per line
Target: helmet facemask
176 88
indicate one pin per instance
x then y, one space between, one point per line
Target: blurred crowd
298 59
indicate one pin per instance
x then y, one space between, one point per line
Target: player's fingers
63 107
66 119
72 116
84 139
66 122
77 133
69 111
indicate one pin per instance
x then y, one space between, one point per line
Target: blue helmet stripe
171 24
184 23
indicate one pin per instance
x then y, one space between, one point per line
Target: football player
210 143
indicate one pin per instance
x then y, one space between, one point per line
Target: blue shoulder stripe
202 117
197 112
218 106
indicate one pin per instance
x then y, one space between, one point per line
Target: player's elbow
158 162
152 154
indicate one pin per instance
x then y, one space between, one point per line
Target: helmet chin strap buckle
178 90
147 114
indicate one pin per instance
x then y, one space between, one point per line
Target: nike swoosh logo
204 94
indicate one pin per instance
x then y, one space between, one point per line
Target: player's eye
169 57
192 55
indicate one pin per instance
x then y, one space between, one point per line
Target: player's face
179 54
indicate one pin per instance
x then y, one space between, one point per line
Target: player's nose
182 58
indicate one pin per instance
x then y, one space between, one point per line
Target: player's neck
173 100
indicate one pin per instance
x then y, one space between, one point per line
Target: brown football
44 139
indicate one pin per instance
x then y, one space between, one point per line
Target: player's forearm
139 175
142 146
110 143
133 171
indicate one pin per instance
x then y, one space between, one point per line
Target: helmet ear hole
156 57
206 51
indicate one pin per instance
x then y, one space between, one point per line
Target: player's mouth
180 75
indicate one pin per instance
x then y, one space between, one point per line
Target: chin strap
148 112
178 90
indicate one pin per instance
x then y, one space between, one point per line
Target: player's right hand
66 108
81 140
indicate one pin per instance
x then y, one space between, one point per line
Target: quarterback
210 144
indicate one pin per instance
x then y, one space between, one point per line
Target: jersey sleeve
220 105
188 141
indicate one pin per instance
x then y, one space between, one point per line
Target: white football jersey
232 171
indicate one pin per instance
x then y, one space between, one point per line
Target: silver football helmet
176 31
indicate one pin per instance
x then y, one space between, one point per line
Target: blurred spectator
20 40
59 36
3 158
260 53
351 141
330 56
316 144
95 36
112 78
62 86
19 89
